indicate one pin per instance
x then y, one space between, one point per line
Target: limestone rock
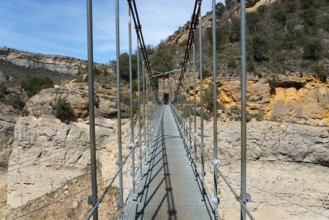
295 99
56 63
8 117
77 95
274 141
47 153
309 105
5 78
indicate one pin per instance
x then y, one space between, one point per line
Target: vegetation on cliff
285 36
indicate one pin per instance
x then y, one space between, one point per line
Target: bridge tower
166 89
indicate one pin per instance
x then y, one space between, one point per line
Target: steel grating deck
168 189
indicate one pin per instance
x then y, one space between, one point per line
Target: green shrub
321 73
304 64
232 64
325 23
262 10
258 117
229 3
289 41
235 31
63 110
280 16
220 9
273 83
3 90
124 66
260 46
33 85
290 6
312 50
16 102
309 17
252 21
209 98
306 4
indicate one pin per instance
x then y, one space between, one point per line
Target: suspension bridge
168 158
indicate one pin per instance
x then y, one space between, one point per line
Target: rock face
76 94
47 153
303 100
4 78
295 99
56 63
287 167
274 141
8 117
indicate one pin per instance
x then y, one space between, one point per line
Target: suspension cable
193 24
138 27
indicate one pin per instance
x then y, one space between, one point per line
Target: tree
33 85
3 90
280 16
229 3
220 9
63 111
260 47
235 30
162 60
312 50
124 66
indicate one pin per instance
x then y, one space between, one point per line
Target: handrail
237 197
108 187
206 194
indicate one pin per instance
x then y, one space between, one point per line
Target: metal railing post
189 104
244 196
139 116
201 104
216 161
144 106
195 134
92 199
119 162
148 114
132 141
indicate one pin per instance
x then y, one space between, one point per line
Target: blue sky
59 26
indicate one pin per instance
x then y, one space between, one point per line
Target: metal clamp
215 200
131 145
215 162
120 205
92 200
118 163
132 173
246 198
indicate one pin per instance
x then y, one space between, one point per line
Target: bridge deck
168 189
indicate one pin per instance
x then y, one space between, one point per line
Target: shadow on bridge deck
168 188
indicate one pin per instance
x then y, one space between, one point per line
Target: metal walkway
168 188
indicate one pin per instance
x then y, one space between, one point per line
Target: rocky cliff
55 63
47 153
8 117
284 98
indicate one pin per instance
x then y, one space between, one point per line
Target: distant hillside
24 74
282 36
